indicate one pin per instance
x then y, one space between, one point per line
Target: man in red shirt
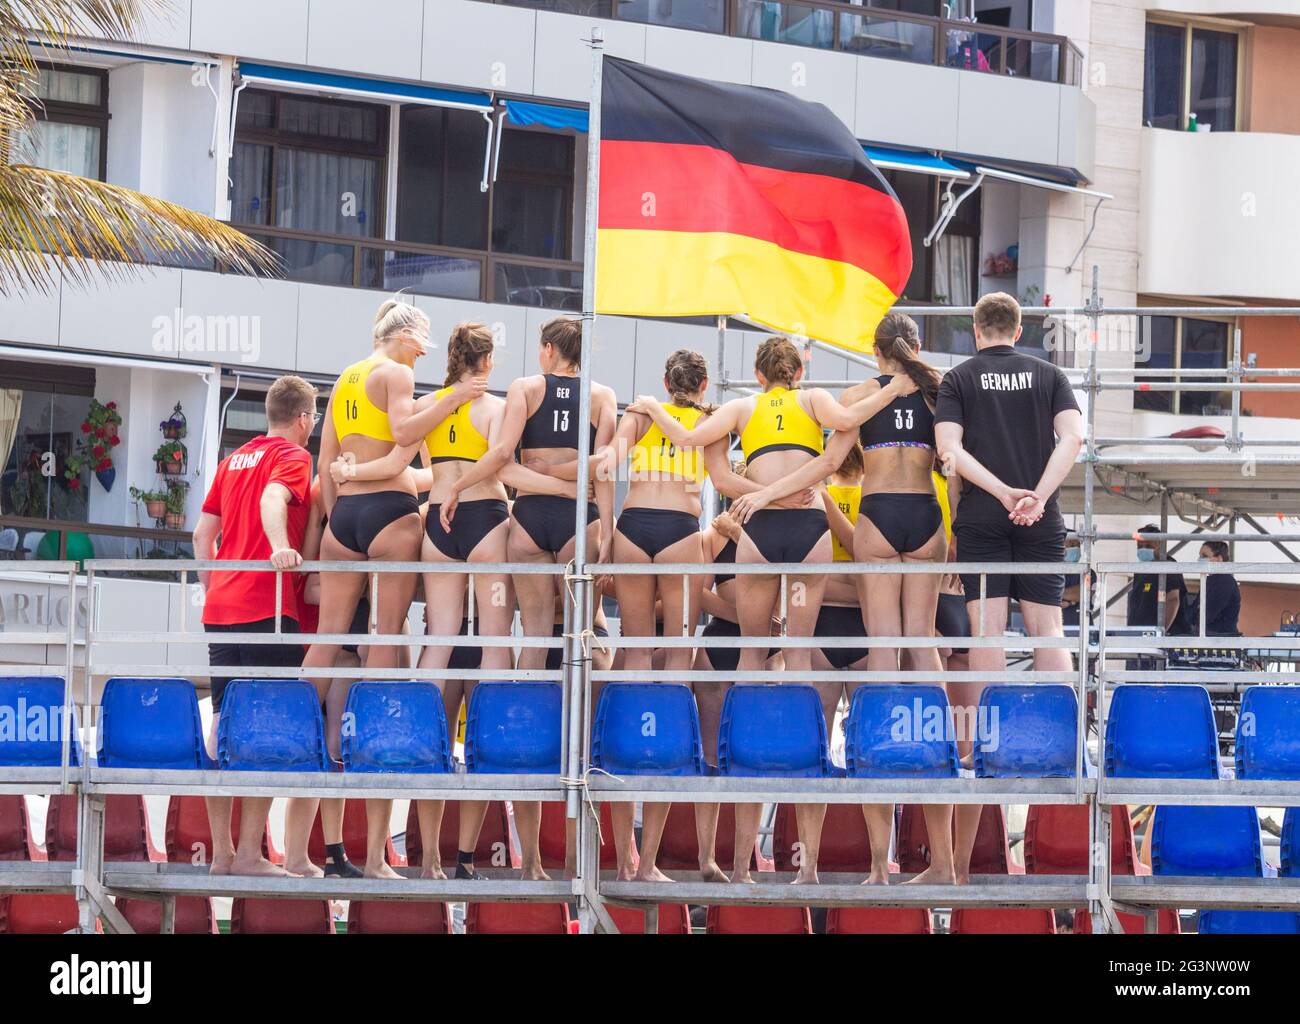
258 506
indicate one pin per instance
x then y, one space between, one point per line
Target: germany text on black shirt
1005 402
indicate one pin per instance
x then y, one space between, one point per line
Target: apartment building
439 146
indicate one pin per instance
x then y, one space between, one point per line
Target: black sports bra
727 556
905 422
555 423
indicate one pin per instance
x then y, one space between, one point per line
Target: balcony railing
851 28
423 269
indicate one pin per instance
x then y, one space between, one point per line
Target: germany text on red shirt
236 496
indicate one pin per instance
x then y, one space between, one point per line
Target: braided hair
685 372
898 340
471 342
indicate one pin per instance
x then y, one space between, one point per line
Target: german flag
730 199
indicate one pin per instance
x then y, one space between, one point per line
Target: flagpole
576 644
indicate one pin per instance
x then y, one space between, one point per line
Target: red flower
85 428
100 431
74 483
106 464
176 456
98 451
114 441
111 405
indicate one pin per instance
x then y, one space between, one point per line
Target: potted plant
170 458
155 502
98 439
174 426
175 517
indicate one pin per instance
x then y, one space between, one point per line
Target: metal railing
857 28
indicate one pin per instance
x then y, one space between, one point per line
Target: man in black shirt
997 421
1144 592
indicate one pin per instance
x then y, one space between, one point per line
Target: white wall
1219 214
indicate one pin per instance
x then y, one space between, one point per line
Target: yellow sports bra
848 498
941 493
655 455
779 423
354 412
455 439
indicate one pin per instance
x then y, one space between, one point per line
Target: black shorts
995 538
473 521
724 659
906 521
357 519
786 534
360 624
555 656
654 529
223 655
952 620
840 620
549 520
465 657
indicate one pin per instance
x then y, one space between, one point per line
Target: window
1183 343
1191 72
309 166
532 200
42 406
244 415
703 15
71 122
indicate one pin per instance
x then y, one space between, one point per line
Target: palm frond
98 229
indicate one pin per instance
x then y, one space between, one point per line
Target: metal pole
69 667
588 872
1234 377
1086 553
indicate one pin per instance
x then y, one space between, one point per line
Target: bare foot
627 873
877 877
261 868
961 878
710 872
433 871
741 878
650 874
533 874
221 866
806 877
304 870
933 876
382 871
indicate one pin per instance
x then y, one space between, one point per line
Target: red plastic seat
552 837
188 836
680 851
494 839
674 919
879 921
1056 841
758 921
126 830
354 837
38 914
280 917
388 917
194 915
1167 922
845 843
16 839
991 854
1023 921
517 919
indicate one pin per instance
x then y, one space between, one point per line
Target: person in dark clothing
1221 595
1144 592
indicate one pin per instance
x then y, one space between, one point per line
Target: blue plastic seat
396 727
31 723
150 723
1268 733
897 730
271 725
1161 732
1222 842
647 729
1027 731
514 729
1290 844
773 731
1248 922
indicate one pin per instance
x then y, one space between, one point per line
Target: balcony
850 28
1219 215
